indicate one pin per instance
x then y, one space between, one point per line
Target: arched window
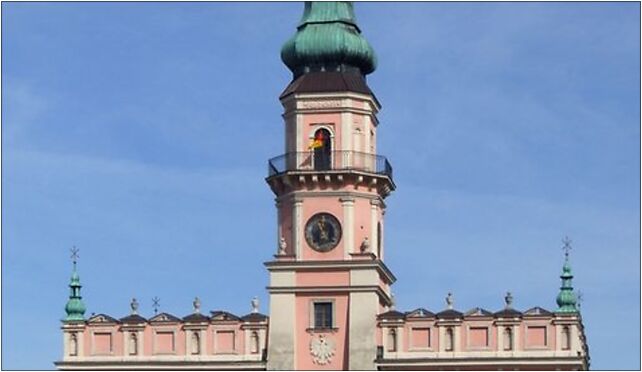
508 338
566 338
450 339
196 343
323 153
73 344
133 343
392 340
254 342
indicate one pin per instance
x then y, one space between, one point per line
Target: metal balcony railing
334 160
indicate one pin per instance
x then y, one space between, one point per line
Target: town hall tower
328 281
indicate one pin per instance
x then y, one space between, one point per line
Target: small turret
75 308
566 300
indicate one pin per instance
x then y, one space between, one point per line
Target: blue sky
140 132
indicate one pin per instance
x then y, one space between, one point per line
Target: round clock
323 232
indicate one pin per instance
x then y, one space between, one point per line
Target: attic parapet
526 338
221 337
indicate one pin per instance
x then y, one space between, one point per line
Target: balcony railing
334 160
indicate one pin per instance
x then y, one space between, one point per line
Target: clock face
323 232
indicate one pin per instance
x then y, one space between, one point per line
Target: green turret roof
328 39
75 308
566 300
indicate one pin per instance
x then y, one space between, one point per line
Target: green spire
328 39
566 300
75 308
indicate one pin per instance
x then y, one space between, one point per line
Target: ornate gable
478 311
165 317
535 311
101 319
223 316
420 313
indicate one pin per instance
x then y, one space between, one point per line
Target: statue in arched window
133 343
566 338
196 343
450 339
254 342
392 340
73 344
508 338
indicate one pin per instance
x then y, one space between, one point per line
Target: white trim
297 227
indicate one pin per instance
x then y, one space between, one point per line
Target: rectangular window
322 315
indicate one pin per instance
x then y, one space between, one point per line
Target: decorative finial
365 245
282 246
509 300
155 304
567 246
450 300
393 301
134 306
197 305
75 308
74 255
255 305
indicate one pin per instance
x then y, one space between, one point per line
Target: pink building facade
331 305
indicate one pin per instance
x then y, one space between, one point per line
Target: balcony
319 161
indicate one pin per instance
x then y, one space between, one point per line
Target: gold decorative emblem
323 232
322 350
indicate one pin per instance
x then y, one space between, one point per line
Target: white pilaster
282 335
297 228
348 222
346 132
374 205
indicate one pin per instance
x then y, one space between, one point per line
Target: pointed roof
133 319
196 318
449 314
328 39
391 314
508 313
254 317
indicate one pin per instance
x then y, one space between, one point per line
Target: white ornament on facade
282 246
365 245
197 305
255 305
322 350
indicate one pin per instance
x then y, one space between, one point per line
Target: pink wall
322 278
304 337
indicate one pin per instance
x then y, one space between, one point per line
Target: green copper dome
328 39
75 308
566 299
